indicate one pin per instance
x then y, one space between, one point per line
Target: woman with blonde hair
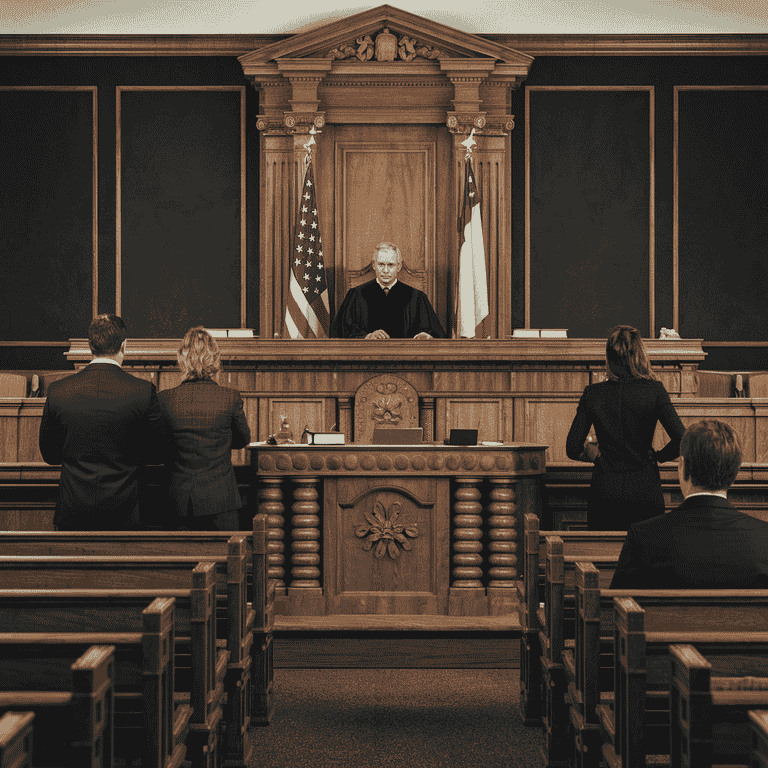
624 409
207 421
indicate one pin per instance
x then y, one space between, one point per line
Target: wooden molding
530 45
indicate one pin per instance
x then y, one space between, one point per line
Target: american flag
307 313
473 282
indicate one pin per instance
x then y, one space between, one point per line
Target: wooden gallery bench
16 739
199 668
758 724
712 695
557 619
234 626
73 704
597 546
614 660
257 616
146 721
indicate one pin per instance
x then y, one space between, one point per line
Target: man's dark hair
712 454
105 334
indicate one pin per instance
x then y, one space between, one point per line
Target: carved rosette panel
384 530
384 401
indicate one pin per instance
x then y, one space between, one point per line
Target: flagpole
307 312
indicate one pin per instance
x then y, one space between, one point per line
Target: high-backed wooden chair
416 278
13 385
384 401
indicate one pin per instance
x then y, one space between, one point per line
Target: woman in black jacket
624 410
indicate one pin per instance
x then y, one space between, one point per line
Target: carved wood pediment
384 35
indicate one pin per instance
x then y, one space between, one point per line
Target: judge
385 308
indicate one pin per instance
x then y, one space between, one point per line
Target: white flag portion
472 306
307 315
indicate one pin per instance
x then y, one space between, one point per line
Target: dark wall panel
723 214
590 196
180 210
46 214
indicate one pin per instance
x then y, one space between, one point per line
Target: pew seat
73 704
587 545
200 667
16 739
710 706
234 624
200 545
558 621
608 629
146 722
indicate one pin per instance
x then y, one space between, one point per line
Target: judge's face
386 267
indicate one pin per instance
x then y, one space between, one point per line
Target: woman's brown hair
626 355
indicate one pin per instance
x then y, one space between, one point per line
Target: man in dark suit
705 543
101 425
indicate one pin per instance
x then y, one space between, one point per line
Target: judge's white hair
391 248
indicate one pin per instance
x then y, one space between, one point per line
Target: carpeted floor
402 717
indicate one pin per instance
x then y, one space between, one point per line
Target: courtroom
384 386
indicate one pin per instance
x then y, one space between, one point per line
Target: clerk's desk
396 529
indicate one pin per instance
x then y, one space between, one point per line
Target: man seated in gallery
386 308
705 543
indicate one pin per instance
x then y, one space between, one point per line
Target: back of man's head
712 454
106 334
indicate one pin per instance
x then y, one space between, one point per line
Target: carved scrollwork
382 529
461 123
386 48
302 122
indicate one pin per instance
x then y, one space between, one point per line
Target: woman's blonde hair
625 354
198 356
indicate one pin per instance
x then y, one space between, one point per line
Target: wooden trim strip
530 44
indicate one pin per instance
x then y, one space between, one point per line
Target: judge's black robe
402 313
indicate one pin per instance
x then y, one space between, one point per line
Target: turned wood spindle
270 497
305 561
467 519
502 534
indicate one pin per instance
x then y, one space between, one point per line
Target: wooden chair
13 385
384 401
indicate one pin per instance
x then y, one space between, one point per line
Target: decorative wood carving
386 48
382 529
387 67
384 401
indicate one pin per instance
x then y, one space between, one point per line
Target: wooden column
467 594
481 101
502 545
305 561
270 495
